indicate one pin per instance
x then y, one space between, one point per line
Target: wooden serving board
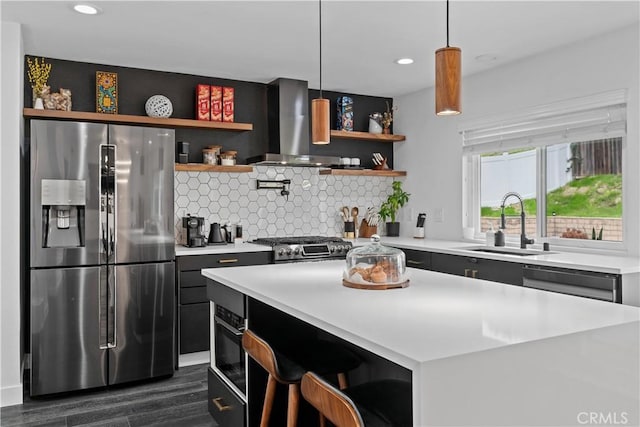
381 287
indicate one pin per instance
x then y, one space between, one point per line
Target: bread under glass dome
375 266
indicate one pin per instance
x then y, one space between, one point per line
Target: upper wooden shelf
365 136
362 172
201 167
128 119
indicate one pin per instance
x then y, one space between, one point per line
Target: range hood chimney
288 122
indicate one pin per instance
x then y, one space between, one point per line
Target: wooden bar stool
384 403
326 357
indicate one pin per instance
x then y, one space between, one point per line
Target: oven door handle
235 331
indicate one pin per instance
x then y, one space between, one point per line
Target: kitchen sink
506 251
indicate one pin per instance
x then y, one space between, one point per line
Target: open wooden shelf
362 172
365 136
139 120
201 167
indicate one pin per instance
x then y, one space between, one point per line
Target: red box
202 102
227 104
216 103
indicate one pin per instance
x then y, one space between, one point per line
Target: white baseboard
11 395
193 359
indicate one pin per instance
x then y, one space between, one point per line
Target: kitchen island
480 353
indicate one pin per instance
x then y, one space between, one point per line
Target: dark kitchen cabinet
478 268
227 409
417 259
193 305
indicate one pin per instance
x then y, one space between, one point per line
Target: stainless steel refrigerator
101 255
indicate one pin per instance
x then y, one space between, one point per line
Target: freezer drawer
65 330
144 322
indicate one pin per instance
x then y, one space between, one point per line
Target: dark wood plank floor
177 401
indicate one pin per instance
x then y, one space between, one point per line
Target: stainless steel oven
228 322
228 356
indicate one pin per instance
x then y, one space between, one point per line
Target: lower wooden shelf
362 172
201 167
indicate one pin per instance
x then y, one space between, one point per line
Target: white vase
374 127
38 104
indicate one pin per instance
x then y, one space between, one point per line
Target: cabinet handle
221 407
228 261
466 272
474 274
410 261
473 260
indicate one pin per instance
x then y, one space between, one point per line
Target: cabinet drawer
227 409
198 262
187 279
193 295
194 328
417 259
478 268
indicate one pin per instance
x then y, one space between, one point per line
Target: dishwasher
601 286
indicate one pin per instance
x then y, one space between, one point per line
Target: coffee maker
193 226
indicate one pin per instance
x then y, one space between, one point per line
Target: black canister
498 239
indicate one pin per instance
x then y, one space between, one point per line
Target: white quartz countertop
437 316
557 257
231 248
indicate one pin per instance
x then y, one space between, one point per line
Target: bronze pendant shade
448 66
320 121
448 75
320 134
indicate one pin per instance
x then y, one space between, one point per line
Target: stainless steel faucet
523 237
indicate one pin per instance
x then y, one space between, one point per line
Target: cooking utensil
354 214
345 213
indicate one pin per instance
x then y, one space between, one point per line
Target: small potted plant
38 74
397 199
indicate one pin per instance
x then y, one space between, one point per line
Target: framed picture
106 92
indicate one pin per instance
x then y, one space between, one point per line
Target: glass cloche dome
375 266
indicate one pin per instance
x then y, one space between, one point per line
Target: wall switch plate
438 215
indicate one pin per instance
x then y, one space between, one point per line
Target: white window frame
491 138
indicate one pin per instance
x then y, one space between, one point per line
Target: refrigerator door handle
112 318
102 308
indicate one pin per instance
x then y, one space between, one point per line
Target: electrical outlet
438 214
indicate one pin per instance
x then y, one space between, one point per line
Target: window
564 160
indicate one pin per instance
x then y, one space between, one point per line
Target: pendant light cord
447 23
320 33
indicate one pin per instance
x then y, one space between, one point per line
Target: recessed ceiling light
86 9
404 61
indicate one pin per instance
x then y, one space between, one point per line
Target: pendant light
448 66
320 106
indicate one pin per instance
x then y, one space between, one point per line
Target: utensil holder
367 230
418 233
349 230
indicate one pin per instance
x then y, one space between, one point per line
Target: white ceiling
262 40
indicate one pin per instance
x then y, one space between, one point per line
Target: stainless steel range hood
288 122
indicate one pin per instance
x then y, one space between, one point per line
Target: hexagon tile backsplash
313 207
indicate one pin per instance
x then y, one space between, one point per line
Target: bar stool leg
342 381
294 401
268 401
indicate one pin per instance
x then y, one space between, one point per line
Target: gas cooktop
305 248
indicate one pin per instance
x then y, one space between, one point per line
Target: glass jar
210 154
228 158
375 266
